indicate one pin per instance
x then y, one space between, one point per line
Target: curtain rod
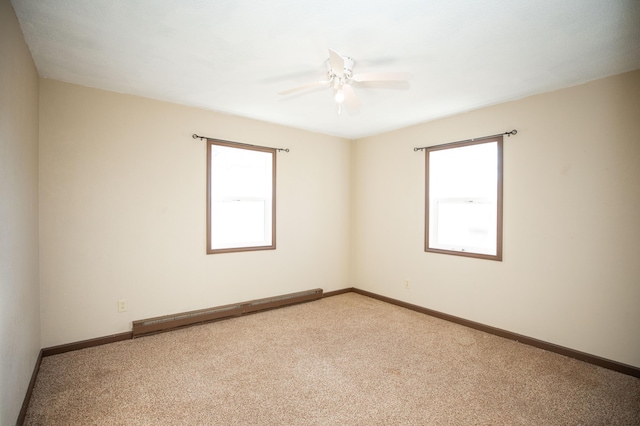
513 132
239 143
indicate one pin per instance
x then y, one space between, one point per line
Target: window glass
464 199
241 197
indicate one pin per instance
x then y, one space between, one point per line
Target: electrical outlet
122 305
406 284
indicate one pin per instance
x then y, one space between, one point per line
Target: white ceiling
234 56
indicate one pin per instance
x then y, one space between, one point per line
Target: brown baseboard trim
571 353
337 292
68 347
185 319
27 396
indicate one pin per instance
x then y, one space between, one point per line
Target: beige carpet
343 360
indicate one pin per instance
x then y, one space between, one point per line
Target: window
241 197
464 198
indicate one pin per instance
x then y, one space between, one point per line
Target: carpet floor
342 360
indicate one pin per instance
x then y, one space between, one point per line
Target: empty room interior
109 112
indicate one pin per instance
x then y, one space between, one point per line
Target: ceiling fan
341 78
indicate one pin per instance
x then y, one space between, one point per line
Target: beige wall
19 294
122 212
571 269
122 206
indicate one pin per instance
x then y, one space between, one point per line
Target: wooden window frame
236 145
499 196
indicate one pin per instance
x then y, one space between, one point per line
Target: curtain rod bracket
206 138
512 132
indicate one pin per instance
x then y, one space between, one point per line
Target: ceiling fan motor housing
348 68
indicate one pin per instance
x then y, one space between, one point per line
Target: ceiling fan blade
350 98
337 63
303 87
381 76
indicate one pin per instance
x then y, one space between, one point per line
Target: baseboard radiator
168 322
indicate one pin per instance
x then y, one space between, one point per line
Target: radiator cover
168 322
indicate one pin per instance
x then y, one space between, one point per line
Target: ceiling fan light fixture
339 96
